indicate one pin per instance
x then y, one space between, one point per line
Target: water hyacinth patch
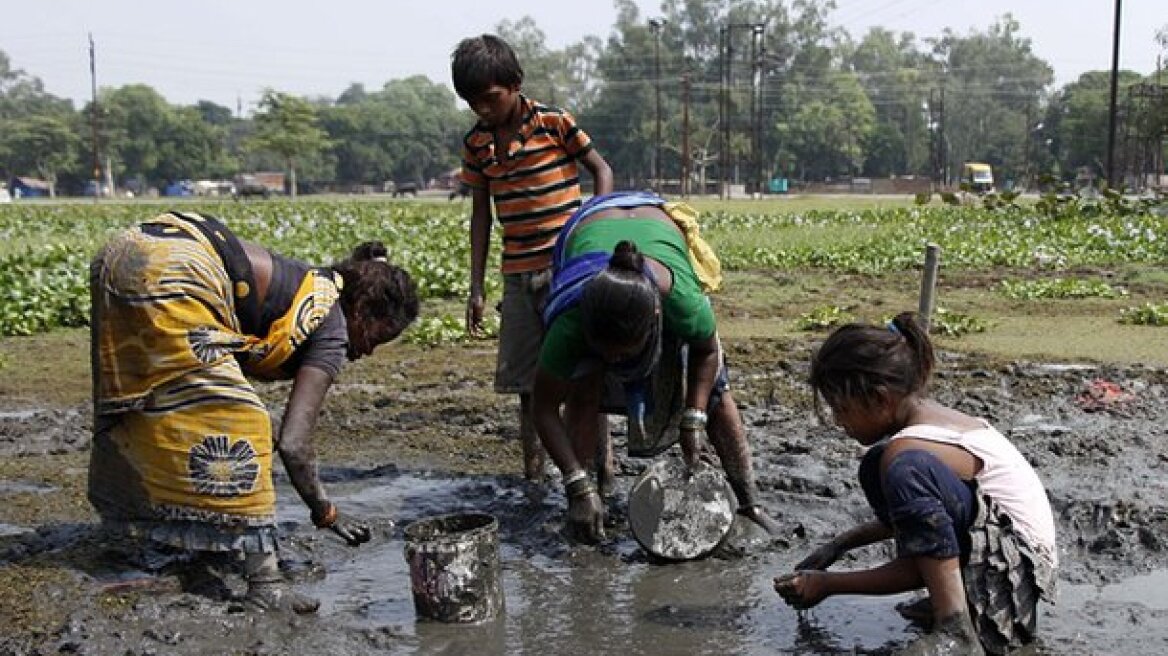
1148 314
45 248
823 317
1059 288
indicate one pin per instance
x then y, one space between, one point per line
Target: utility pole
725 37
93 121
1026 152
685 154
1111 105
755 104
723 110
655 24
942 151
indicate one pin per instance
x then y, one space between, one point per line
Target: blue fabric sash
569 276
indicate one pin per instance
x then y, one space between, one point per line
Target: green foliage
893 239
1148 314
923 198
1063 202
43 289
446 329
45 249
1006 200
1059 288
823 317
955 324
288 127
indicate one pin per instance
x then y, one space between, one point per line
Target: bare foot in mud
266 596
954 636
917 611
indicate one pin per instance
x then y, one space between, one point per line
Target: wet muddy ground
414 433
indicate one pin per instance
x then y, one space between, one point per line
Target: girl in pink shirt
970 517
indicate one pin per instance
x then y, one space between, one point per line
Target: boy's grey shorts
520 330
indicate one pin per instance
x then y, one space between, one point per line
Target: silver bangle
577 475
693 418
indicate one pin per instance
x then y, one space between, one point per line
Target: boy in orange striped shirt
524 156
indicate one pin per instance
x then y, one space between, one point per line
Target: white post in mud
929 284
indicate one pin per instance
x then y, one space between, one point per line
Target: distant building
25 187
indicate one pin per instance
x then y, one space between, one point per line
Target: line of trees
799 99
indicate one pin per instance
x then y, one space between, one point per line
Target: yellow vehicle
979 177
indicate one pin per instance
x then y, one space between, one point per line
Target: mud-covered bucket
455 574
676 515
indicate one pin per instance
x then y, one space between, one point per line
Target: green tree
1077 120
410 130
287 126
829 129
151 142
45 144
133 119
22 97
894 74
994 89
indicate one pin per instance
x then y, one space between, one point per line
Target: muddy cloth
654 404
182 447
934 513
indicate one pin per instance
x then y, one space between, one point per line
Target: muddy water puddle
579 599
611 599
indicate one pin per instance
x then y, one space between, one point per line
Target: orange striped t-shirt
536 187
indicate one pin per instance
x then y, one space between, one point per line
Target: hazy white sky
227 51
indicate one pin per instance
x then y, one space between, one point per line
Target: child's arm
600 170
859 536
480 239
805 589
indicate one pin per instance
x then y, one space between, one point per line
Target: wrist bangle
580 488
328 518
693 418
572 477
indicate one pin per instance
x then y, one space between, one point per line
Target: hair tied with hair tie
381 258
893 329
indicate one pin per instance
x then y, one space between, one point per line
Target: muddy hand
822 558
759 516
801 590
586 516
353 531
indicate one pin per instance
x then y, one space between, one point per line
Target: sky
228 51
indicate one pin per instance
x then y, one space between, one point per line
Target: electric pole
93 121
1111 107
655 24
685 154
723 110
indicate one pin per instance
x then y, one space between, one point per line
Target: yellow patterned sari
180 435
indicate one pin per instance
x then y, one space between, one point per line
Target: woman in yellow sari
183 313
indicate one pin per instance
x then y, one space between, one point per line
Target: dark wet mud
395 453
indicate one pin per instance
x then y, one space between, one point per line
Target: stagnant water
611 599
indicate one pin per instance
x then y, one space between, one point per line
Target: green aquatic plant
955 324
1059 288
1148 314
823 317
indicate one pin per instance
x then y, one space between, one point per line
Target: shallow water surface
583 599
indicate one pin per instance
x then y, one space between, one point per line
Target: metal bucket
676 515
455 574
